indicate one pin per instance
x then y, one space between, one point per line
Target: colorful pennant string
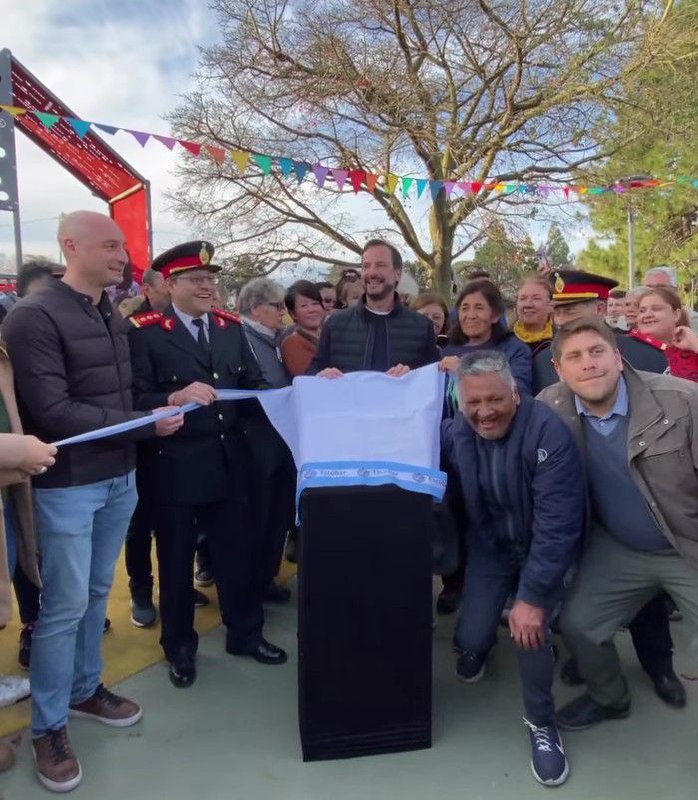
358 179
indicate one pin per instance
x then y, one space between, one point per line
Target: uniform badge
220 321
559 283
167 323
204 257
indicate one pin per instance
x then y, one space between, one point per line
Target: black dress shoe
277 595
183 672
264 652
569 674
670 689
585 712
447 602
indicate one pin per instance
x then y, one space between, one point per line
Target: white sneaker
13 688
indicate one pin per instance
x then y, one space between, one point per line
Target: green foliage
557 248
657 136
506 258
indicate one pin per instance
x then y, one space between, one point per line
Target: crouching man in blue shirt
521 478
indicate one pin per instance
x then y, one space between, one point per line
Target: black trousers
235 561
27 595
139 565
652 637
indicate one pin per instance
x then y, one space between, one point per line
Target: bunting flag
360 180
320 173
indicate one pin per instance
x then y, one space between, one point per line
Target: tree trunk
442 237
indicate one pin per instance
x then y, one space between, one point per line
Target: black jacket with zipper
73 375
347 340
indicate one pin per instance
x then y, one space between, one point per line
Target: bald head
94 250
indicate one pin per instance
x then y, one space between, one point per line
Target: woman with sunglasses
261 306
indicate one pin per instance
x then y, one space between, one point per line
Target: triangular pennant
168 141
110 129
371 181
499 187
16 111
391 182
465 186
79 126
193 147
320 173
509 187
406 186
582 190
286 165
566 192
263 162
448 187
301 169
142 138
475 187
340 177
436 187
596 190
357 178
422 184
47 120
216 153
241 159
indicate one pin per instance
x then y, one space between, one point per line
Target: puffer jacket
73 375
346 341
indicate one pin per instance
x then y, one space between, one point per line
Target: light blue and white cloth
365 428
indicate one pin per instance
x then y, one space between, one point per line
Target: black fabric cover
365 621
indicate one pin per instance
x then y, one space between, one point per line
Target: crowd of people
568 440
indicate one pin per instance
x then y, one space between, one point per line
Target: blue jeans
490 578
81 530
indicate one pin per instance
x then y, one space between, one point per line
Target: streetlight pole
631 245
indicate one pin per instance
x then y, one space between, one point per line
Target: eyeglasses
350 275
277 306
199 280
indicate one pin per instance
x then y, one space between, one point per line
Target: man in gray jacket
637 432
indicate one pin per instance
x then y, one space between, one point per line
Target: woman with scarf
534 324
663 324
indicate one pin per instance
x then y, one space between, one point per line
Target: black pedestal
365 622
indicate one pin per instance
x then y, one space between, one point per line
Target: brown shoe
56 764
108 708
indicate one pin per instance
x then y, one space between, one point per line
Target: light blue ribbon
149 419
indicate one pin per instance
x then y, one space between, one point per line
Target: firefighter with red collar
183 355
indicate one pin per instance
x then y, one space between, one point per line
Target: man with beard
378 334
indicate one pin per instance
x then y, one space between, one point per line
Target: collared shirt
188 322
607 424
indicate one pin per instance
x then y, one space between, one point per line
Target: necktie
201 336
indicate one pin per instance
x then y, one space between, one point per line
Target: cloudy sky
123 63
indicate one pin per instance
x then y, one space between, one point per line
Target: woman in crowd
433 307
349 289
272 475
304 304
663 324
261 306
534 324
480 309
20 458
632 301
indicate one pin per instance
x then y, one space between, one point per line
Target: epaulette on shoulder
146 319
227 315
